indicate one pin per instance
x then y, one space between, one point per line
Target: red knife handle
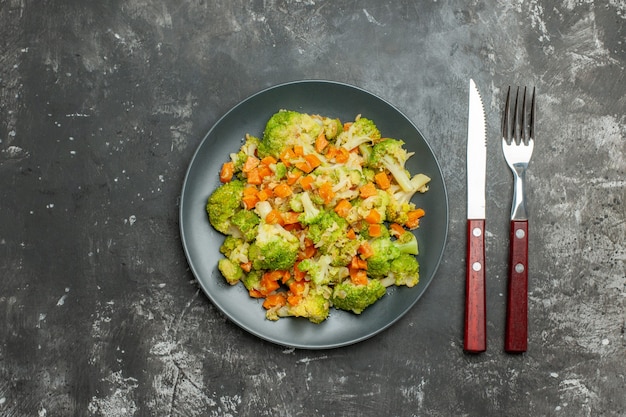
516 336
475 339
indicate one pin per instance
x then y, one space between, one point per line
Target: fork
518 137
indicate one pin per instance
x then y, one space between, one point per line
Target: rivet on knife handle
475 339
516 336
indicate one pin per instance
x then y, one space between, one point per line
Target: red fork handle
475 338
516 336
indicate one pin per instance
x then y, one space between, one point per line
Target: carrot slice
365 249
358 276
255 293
254 177
343 208
375 230
265 171
342 155
326 192
274 275
274 217
414 218
373 217
358 263
264 194
292 227
382 180
297 287
294 300
308 252
368 190
397 229
268 284
251 163
307 182
251 190
292 177
304 166
331 151
268 160
287 156
291 217
313 160
351 234
249 201
246 266
227 171
282 190
298 150
275 300
321 142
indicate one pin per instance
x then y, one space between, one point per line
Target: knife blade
475 335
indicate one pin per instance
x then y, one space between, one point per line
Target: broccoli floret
295 203
325 232
398 212
405 270
313 305
345 180
286 129
281 170
246 221
390 154
252 280
407 243
321 271
274 248
363 228
230 244
368 174
311 213
380 201
223 204
355 298
332 127
235 249
230 270
386 250
361 131
343 251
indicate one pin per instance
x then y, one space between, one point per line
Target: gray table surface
102 105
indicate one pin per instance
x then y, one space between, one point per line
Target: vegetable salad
317 213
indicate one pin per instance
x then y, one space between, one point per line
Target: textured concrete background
102 105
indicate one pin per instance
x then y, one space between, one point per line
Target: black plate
201 242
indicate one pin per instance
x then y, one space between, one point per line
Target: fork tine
531 128
515 133
522 130
505 117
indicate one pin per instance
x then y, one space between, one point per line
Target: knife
475 338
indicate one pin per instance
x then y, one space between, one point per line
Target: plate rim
211 297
